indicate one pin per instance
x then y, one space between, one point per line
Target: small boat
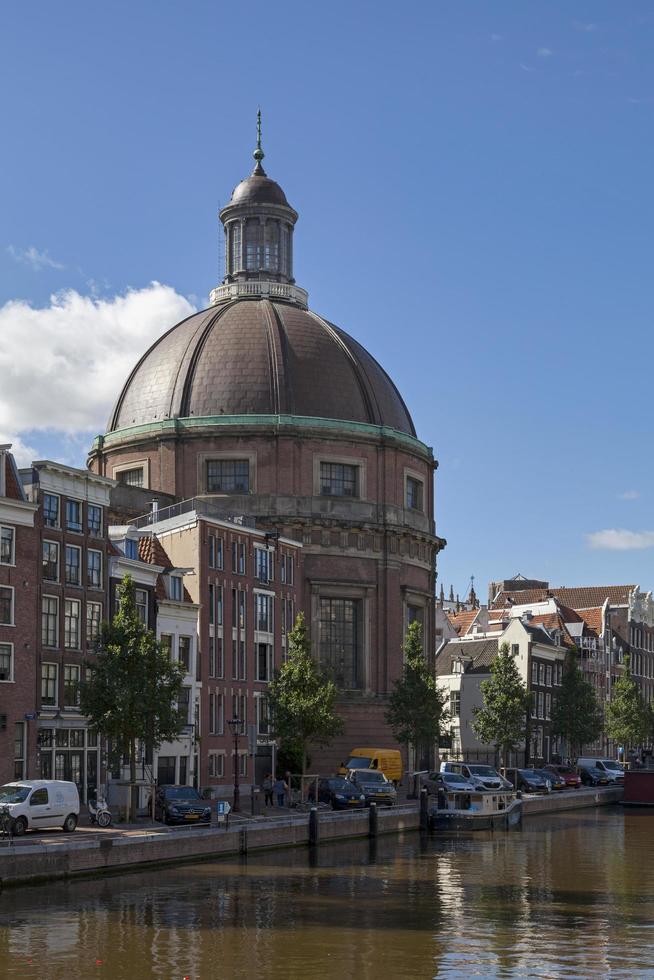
481 810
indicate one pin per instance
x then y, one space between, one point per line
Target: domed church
274 413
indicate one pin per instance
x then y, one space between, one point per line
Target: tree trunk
132 805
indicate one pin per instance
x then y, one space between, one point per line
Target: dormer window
175 588
131 549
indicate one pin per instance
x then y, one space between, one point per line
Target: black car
528 780
374 786
341 793
180 804
592 777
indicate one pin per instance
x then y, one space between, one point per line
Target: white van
37 803
609 767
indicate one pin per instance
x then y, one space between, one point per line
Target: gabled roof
13 485
551 622
582 597
462 621
481 652
153 552
593 618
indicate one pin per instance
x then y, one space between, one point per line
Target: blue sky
475 197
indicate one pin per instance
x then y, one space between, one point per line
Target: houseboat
479 810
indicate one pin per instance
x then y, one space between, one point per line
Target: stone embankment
115 850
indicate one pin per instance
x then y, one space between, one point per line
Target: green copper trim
179 426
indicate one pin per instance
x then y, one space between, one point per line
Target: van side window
39 797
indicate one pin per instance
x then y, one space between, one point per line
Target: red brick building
18 627
268 410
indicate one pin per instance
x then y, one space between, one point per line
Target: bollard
424 809
373 825
243 841
314 832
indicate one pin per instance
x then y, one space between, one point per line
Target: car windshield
358 762
371 776
453 777
565 770
181 793
482 770
528 772
14 794
340 785
608 764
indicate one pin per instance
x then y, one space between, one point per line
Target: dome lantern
258 223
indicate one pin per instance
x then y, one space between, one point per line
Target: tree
628 716
502 718
416 710
132 688
302 698
576 714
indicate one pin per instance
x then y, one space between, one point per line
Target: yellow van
388 761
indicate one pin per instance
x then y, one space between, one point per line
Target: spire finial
258 153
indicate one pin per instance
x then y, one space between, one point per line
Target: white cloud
544 53
32 256
525 67
63 365
629 495
22 452
587 28
618 539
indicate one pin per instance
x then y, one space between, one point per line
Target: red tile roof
462 621
593 618
554 621
583 597
152 551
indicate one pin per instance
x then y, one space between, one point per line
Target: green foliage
628 716
502 718
132 688
576 714
302 700
416 709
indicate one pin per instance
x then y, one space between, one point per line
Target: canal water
568 896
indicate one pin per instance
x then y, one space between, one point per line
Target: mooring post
243 840
314 829
424 809
373 826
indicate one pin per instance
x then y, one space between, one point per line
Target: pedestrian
280 788
268 789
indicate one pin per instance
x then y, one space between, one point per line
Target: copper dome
259 357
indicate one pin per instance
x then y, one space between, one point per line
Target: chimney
154 507
527 616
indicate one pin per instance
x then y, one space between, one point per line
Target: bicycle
6 824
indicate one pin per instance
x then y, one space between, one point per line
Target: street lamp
235 728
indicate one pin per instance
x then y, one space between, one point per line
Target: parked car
614 771
180 804
36 803
556 781
374 786
592 776
570 777
481 777
447 781
528 780
341 793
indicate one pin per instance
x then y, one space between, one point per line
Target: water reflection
567 896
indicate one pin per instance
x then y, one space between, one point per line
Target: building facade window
50 510
534 672
71 685
263 565
94 520
19 750
50 561
264 613
50 621
338 480
73 573
184 655
217 765
132 477
340 643
71 624
74 515
264 659
414 494
93 620
6 662
228 476
6 605
7 546
175 588
49 685
238 557
141 601
94 569
515 650
263 716
455 704
184 704
131 549
219 605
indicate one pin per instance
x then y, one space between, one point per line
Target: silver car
450 782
